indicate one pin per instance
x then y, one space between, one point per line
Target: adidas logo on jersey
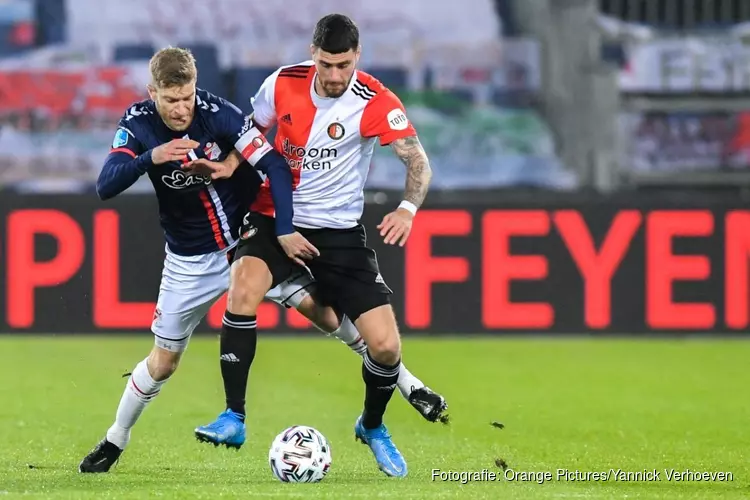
361 89
287 118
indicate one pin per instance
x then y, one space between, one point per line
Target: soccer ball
300 454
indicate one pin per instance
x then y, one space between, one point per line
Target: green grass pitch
576 404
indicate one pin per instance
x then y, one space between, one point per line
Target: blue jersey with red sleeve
198 215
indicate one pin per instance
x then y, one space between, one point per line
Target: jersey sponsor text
308 159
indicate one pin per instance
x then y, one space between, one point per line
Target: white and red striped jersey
328 142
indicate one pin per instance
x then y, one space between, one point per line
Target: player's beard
339 89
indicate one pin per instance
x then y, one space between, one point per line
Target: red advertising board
76 265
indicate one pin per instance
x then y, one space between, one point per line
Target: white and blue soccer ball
300 454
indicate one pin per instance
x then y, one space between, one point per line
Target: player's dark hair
336 34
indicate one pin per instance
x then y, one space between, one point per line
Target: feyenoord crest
258 142
335 131
249 233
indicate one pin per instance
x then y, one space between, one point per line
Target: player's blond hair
173 67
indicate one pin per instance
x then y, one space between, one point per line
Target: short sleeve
264 102
384 117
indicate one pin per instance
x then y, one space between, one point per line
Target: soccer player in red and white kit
329 116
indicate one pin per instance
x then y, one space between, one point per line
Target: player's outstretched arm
279 175
260 154
255 149
248 138
253 146
396 226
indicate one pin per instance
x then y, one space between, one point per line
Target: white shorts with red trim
190 285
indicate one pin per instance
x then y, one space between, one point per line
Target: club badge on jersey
212 151
121 138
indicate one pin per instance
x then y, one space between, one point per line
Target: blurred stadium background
591 170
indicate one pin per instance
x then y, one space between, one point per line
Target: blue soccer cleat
228 429
387 455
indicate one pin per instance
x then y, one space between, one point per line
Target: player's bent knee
386 350
250 281
163 363
243 300
379 330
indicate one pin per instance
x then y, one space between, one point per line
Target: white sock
349 335
139 391
407 382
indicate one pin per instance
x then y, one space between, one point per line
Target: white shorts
190 285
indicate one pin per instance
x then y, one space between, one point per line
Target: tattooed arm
396 226
418 171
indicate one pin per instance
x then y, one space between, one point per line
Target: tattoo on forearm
418 171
